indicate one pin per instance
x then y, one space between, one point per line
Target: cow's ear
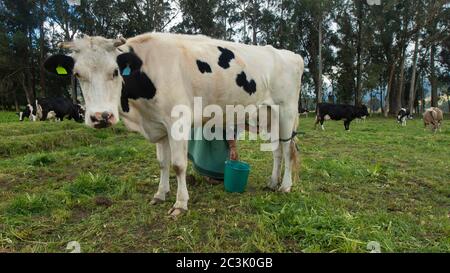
59 64
128 63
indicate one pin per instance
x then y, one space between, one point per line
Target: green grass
8 117
62 182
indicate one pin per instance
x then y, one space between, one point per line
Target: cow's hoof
156 201
286 190
269 188
175 212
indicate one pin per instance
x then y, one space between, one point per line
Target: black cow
402 115
28 112
63 107
348 113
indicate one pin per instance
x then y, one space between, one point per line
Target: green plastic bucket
236 176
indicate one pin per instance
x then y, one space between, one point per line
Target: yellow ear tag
61 70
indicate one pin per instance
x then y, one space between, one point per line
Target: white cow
141 79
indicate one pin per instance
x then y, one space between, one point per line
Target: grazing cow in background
403 115
433 116
326 111
145 77
29 112
303 111
61 106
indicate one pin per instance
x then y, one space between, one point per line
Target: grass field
62 182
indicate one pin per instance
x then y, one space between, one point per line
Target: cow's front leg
178 149
347 124
316 121
321 124
163 155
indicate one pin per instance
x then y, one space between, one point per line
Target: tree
199 18
313 19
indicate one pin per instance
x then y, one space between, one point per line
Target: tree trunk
389 89
41 50
448 101
2 99
16 102
28 91
32 74
393 93
416 85
359 64
381 98
401 83
254 36
422 94
319 61
412 88
433 80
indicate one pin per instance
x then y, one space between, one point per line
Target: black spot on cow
130 60
203 67
136 83
225 58
249 86
136 86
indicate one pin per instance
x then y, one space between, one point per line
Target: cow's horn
120 41
67 45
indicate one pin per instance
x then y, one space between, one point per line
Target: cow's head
400 115
95 63
27 113
362 111
78 112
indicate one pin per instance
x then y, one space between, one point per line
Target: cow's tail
293 147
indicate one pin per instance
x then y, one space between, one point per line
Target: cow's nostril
106 116
94 119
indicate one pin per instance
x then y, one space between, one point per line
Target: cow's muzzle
102 120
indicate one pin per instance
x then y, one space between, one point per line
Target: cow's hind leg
321 123
319 119
178 150
287 120
276 171
163 155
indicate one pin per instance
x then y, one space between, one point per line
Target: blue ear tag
126 71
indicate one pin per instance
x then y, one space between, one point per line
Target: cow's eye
116 73
77 75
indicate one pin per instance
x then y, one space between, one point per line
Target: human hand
233 154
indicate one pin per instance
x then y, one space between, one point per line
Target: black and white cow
58 108
142 79
345 112
403 115
303 111
28 112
